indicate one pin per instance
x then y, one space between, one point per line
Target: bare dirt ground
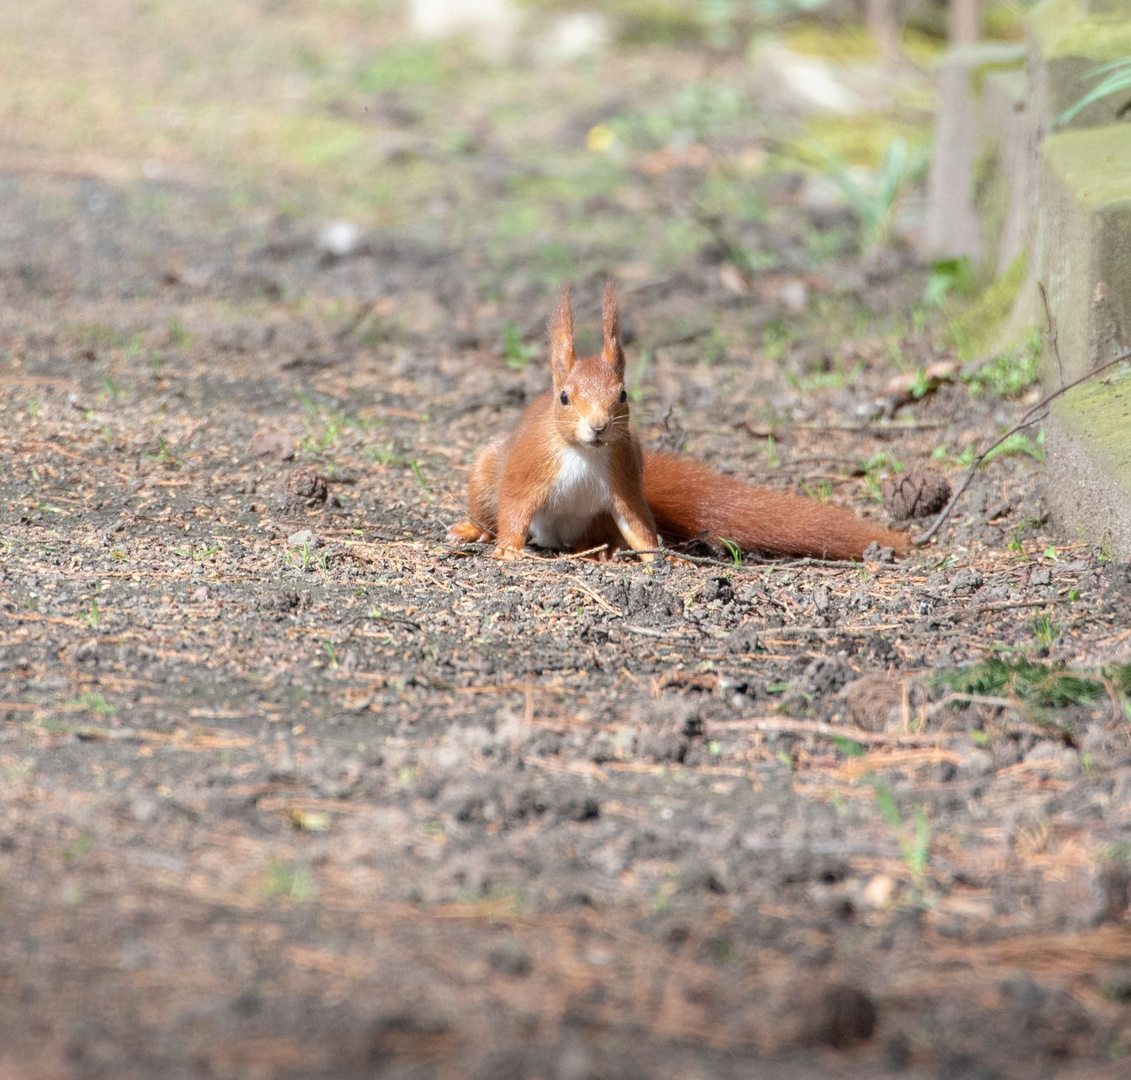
292 787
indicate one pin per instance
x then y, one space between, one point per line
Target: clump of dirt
302 489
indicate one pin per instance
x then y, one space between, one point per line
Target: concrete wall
1010 179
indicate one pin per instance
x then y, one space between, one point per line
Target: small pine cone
917 494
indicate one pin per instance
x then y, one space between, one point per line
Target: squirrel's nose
599 429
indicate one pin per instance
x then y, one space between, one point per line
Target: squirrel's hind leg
470 532
482 498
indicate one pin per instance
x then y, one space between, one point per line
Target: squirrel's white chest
580 493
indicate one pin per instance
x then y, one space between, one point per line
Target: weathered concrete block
1005 180
1088 473
1007 192
1071 38
963 139
1084 245
1084 260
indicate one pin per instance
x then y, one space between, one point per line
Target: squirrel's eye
624 395
565 398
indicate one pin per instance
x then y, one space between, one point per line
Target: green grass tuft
1041 686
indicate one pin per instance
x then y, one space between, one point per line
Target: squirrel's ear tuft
610 322
562 355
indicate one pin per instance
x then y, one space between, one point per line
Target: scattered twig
1027 420
528 711
705 561
1117 712
976 699
985 609
594 595
353 324
823 633
587 553
649 631
55 448
837 564
826 731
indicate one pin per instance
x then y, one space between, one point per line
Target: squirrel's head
590 401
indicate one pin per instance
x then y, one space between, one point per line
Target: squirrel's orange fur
573 475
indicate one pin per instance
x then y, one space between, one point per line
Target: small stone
794 296
825 675
742 640
805 84
200 594
910 384
339 239
936 582
879 891
276 444
1049 759
573 36
303 538
491 27
977 761
965 583
1041 575
874 553
579 809
731 279
144 809
916 494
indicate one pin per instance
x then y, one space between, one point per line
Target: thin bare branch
1030 417
1053 333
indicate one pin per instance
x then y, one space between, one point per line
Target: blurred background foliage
630 140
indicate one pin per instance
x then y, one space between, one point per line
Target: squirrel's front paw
507 554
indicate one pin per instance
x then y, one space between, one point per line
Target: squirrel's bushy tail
690 501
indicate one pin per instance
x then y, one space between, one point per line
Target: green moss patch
1097 169
1099 415
1062 30
977 330
864 139
1037 688
854 43
980 73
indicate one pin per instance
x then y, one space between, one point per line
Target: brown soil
291 787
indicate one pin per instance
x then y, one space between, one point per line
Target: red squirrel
573 476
